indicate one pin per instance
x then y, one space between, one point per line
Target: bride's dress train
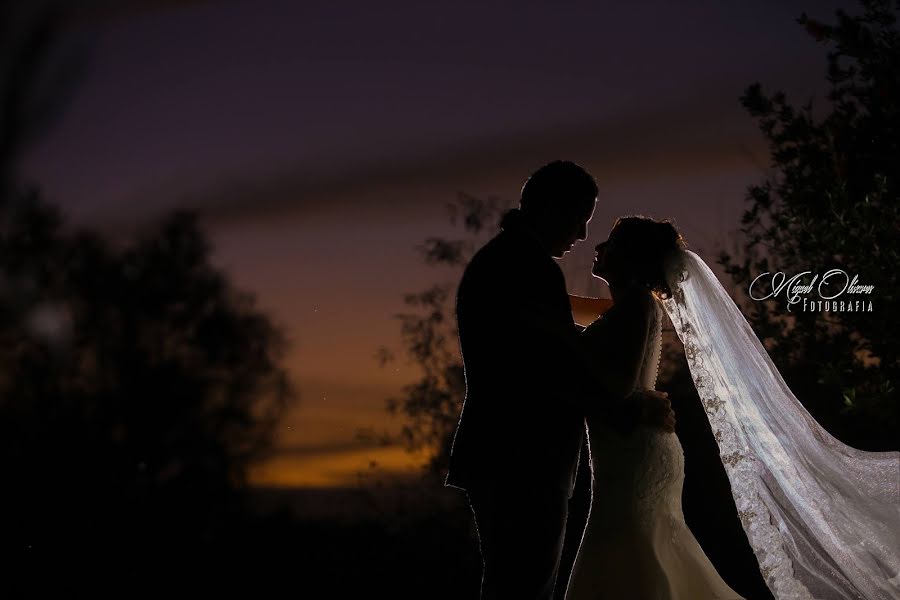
636 544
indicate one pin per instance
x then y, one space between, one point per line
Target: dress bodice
643 471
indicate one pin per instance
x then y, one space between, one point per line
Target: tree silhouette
37 76
136 388
832 202
137 385
431 404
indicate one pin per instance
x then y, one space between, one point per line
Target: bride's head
635 254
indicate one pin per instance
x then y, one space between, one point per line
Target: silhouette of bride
821 517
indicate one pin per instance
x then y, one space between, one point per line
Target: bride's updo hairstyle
645 244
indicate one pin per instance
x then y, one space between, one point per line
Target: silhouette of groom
528 388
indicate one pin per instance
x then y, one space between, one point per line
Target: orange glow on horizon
346 468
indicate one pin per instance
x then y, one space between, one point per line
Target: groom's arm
578 382
595 372
543 335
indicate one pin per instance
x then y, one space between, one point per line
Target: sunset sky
321 142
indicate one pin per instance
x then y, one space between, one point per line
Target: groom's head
557 202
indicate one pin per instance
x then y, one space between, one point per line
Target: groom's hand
656 409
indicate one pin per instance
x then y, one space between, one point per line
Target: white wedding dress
822 518
636 544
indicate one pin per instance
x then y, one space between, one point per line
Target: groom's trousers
520 530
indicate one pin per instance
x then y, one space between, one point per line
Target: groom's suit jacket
526 381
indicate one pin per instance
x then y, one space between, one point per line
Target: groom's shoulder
501 254
503 262
488 265
506 246
491 253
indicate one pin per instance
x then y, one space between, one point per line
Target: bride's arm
616 344
618 348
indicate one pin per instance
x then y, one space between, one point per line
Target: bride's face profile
616 268
602 267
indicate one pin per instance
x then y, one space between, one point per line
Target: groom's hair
560 187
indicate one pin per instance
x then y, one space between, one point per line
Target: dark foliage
136 388
431 405
137 385
833 201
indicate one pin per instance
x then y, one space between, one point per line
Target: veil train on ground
822 518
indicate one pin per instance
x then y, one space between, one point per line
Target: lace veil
822 518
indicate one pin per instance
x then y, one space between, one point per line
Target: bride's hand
656 409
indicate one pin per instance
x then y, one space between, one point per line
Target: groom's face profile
573 228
